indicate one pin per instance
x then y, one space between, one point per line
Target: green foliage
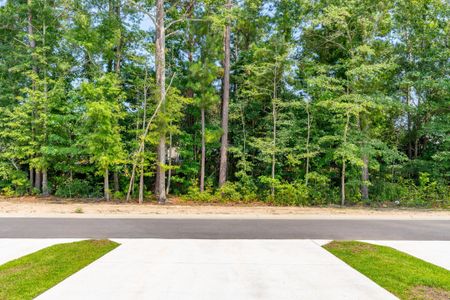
13 182
194 194
230 193
291 194
73 188
319 189
102 137
322 93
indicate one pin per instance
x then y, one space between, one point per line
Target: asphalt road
225 229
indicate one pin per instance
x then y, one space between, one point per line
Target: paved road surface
225 229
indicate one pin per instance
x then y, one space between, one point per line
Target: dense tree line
290 102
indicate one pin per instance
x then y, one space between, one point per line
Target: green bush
406 192
194 194
13 182
82 188
428 193
8 191
229 193
292 194
319 192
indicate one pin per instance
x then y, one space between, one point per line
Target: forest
283 102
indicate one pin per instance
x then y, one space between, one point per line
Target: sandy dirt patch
55 207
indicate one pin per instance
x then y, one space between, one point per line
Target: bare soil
52 206
429 293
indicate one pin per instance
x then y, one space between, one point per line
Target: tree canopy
286 102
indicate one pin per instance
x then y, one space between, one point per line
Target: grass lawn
31 275
405 276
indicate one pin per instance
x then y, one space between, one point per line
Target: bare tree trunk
408 115
116 181
45 191
308 136
225 102
365 178
203 160
416 148
157 175
141 149
416 131
144 125
118 56
37 180
161 171
130 186
31 179
161 83
169 172
106 185
343 183
118 52
365 158
44 183
32 40
274 131
141 184
347 123
32 44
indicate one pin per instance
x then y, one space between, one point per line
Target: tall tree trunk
274 130
118 52
44 127
343 183
203 160
363 125
365 178
169 172
37 180
32 40
416 147
141 183
144 125
106 185
117 61
416 130
343 174
161 83
131 183
140 150
409 123
161 183
32 44
225 102
44 183
308 136
31 179
116 181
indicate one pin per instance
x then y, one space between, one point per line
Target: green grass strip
403 275
33 274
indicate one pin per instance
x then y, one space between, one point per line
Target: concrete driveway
14 248
435 252
217 269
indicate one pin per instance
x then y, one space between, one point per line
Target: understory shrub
83 188
292 194
13 182
406 192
